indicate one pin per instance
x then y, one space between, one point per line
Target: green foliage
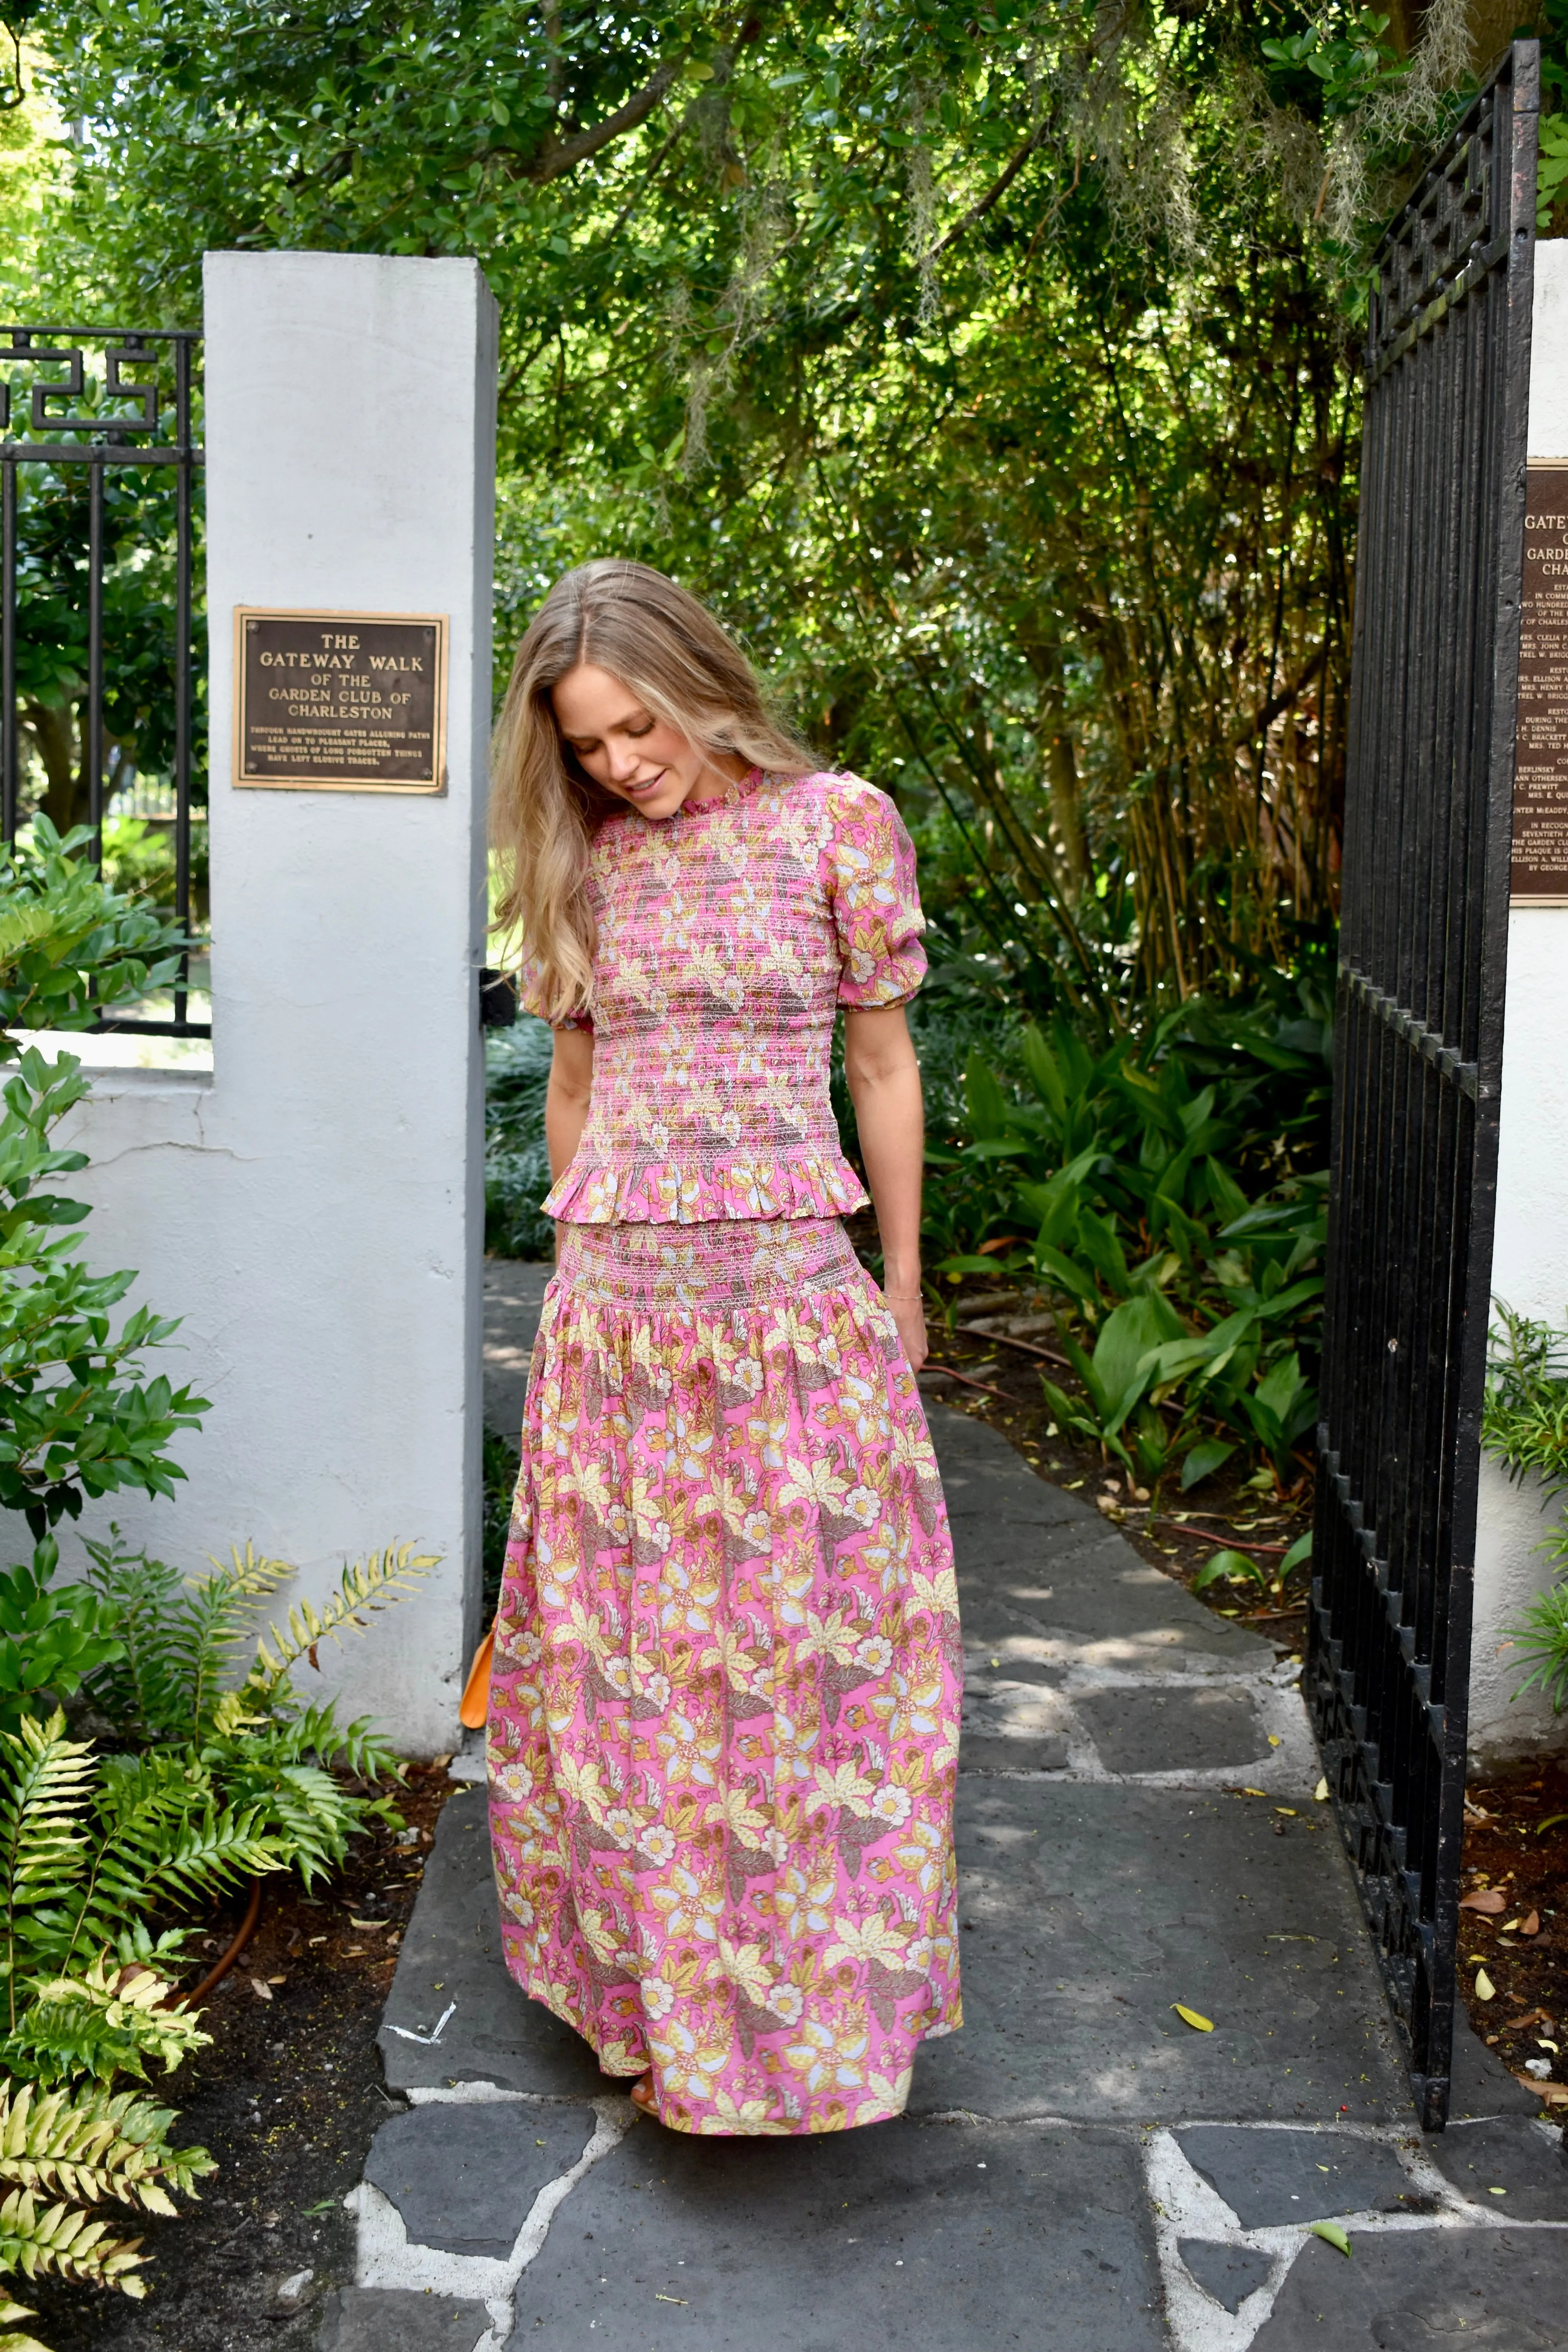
177 1689
88 1848
1185 1301
1524 1424
70 946
988 370
224 1784
517 1165
74 1419
502 1462
49 1638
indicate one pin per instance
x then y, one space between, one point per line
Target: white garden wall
313 1207
1530 1265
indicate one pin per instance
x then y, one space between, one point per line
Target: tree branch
558 155
994 193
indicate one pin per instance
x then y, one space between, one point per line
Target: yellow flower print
689 1752
833 1637
742 2118
841 1784
656 1997
866 1939
816 1481
747 1966
891 1804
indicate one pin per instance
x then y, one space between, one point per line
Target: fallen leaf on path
1289 1811
1488 1899
1275 1740
1485 1988
669 2298
370 1927
1255 1793
1191 2017
1531 1924
1332 2235
1322 1792
262 1991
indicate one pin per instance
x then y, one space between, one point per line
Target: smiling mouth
640 792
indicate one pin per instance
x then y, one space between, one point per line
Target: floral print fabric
728 935
725 1692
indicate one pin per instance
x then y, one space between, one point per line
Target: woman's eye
636 733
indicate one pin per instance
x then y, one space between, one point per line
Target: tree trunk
65 802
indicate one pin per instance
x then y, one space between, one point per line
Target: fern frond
45 1788
367 1585
91 2145
105 2022
66 2242
14 2339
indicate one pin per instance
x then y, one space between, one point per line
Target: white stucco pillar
1529 1262
314 1208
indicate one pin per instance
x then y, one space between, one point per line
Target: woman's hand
907 1308
884 1082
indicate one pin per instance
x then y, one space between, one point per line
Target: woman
724 1703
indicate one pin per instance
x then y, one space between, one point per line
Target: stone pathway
1079 2171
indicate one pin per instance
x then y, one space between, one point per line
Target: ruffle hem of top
667 1193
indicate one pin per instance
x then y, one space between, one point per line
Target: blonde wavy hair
659 641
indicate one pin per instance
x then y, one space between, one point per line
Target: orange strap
474 1712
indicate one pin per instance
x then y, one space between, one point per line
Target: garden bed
1176 1533
286 2100
1516 1847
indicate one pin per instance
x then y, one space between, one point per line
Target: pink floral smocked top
728 934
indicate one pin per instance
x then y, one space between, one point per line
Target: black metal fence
81 404
1422 962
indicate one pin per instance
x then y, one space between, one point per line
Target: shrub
1188 1304
517 1165
1524 1423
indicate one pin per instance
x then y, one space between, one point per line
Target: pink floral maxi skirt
724 1704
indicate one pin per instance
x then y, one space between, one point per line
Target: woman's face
619 743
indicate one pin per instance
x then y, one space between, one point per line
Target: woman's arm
884 1081
567 1098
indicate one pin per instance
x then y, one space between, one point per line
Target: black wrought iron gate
125 400
1420 1038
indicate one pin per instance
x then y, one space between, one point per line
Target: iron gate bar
117 445
1428 821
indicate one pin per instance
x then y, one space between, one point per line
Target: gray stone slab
1093 1906
1174 1731
451 1952
1479 2084
1406 2291
464 2177
1268 2178
1527 2160
514 1292
933 2240
1013 1726
1228 2273
397 2319
1041 1577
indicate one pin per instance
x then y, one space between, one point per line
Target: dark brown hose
246 1930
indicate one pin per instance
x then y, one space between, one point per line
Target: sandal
641 2095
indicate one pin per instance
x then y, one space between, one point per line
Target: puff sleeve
528 998
874 899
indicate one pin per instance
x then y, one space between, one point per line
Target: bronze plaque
1539 875
340 702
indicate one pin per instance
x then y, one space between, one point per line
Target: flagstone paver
1079 2167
